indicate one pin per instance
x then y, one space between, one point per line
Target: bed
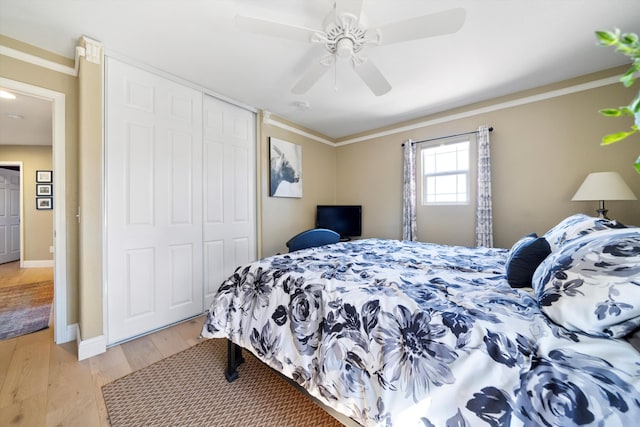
405 333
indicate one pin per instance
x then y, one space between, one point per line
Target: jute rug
25 308
189 389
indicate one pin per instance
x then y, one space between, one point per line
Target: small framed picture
44 190
44 203
44 176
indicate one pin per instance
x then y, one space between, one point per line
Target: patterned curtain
409 228
484 214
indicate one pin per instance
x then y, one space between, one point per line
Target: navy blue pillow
523 259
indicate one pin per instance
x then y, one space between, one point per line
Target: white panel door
229 191
9 215
154 201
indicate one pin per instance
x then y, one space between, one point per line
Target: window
445 174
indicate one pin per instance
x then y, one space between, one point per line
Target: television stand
345 239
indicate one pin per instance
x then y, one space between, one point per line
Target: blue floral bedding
415 334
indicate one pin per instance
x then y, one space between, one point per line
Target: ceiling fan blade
352 7
274 29
435 24
313 74
372 77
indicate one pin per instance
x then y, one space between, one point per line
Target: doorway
63 331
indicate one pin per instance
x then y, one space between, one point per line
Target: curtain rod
448 136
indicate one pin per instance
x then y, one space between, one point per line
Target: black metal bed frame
234 359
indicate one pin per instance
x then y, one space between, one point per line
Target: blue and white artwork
285 177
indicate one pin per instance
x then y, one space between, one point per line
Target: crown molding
40 62
91 51
499 106
267 119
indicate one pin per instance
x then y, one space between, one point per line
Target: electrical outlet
50 249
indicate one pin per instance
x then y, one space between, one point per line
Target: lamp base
602 213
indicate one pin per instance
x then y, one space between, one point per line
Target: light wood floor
11 274
44 384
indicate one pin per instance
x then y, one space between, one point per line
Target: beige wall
37 224
282 218
368 174
541 153
28 73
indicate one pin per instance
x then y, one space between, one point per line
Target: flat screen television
345 220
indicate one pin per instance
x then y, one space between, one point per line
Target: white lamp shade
604 186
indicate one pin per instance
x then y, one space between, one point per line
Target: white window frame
466 172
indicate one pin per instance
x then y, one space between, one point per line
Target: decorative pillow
576 226
592 284
523 259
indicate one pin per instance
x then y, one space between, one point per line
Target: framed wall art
43 176
44 203
44 190
285 175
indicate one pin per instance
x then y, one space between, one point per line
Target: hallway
11 274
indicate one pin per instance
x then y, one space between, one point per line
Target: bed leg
234 359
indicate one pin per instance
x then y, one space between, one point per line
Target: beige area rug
189 389
25 308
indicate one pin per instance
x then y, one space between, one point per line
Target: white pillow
592 284
576 226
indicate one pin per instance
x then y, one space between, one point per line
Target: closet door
154 201
9 215
229 191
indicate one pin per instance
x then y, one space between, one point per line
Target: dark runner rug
189 389
25 308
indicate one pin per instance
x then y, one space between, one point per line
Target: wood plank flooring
11 274
44 384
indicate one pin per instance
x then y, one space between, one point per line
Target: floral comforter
404 333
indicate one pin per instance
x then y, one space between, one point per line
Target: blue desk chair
312 238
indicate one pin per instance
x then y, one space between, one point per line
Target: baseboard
91 347
36 263
68 334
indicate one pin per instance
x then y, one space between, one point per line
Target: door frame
63 332
20 165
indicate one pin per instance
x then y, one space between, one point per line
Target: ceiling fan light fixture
344 47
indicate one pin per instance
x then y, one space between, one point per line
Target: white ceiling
502 48
26 120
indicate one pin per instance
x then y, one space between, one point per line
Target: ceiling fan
344 38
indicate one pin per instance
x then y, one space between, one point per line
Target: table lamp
603 186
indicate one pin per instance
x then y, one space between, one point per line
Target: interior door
9 215
154 201
229 191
